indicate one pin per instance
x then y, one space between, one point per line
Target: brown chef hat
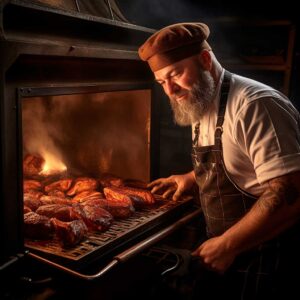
174 43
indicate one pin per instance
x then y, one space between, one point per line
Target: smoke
91 133
37 133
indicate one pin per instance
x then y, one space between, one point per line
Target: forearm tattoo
280 191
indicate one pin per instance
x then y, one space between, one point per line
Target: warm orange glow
53 165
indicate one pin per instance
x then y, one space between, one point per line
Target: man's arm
277 209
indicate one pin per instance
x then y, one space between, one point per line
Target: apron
223 204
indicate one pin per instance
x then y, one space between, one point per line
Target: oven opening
86 162
89 134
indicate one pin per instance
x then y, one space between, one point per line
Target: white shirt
261 137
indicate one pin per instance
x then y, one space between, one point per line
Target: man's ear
205 59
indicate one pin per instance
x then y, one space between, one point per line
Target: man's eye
176 75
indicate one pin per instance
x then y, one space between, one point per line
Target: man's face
190 89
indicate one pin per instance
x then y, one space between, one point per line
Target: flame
52 165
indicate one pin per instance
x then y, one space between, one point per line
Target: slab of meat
107 180
37 226
59 185
31 202
140 198
83 184
61 212
33 195
57 193
118 209
32 165
83 196
47 199
95 217
69 234
31 185
115 194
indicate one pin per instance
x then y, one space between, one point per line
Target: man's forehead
166 71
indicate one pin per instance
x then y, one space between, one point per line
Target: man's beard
198 100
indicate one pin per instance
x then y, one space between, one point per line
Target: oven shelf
121 233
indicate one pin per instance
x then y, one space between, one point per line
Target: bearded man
246 158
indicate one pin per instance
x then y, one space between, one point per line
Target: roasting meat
118 209
61 185
140 198
57 193
61 212
32 165
47 199
147 196
86 195
37 226
31 185
71 233
83 184
32 203
107 180
33 195
95 217
114 194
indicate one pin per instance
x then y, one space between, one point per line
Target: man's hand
277 209
174 185
214 255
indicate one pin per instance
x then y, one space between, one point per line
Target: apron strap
222 108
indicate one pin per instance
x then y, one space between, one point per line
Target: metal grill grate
120 230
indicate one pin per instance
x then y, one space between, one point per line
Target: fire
52 165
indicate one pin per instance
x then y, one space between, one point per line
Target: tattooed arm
277 209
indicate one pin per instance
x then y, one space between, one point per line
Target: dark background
159 13
232 44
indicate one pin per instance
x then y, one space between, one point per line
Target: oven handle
127 254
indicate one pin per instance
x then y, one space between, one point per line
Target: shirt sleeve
267 130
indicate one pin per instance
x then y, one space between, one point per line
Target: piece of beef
47 199
118 209
83 184
57 193
31 185
107 180
59 185
32 165
71 233
33 195
83 196
95 217
37 226
32 202
61 212
114 194
140 198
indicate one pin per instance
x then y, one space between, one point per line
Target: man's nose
172 87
